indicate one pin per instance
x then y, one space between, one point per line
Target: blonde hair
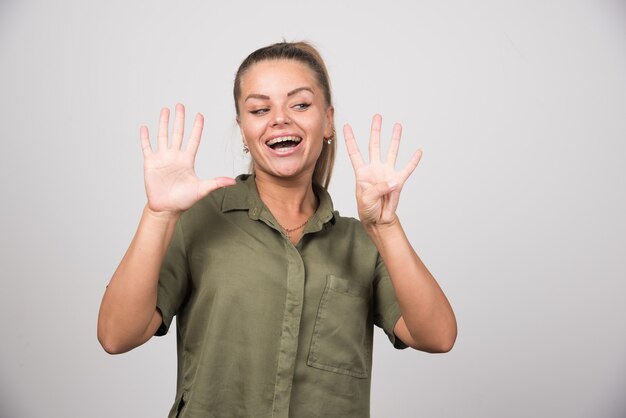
307 54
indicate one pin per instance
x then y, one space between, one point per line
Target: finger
411 165
392 153
378 190
391 203
179 126
377 121
207 186
196 134
144 136
164 120
353 148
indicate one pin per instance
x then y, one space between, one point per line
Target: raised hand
170 179
378 184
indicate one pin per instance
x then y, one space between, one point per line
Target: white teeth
283 139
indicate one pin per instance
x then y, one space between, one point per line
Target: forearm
129 303
425 309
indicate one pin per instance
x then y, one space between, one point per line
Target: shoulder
213 208
326 210
207 211
352 229
347 221
206 207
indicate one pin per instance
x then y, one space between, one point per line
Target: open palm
378 184
170 179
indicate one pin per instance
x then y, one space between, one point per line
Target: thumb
379 190
207 186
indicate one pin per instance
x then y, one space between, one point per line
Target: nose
280 118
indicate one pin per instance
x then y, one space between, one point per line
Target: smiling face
283 118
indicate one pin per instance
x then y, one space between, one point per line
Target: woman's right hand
171 182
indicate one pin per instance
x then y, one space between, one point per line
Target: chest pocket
341 339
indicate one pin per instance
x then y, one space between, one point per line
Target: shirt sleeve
173 280
386 308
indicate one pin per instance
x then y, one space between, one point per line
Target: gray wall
517 207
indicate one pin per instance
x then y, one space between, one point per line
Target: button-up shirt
266 328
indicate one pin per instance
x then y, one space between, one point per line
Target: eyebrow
257 96
298 90
291 93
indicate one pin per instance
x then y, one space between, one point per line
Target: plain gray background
517 206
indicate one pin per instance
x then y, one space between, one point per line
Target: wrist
164 216
382 226
386 236
383 230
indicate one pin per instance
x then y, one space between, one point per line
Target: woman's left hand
378 184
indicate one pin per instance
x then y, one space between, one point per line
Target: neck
291 197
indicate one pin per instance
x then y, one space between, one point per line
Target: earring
245 149
330 139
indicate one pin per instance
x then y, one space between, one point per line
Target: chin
289 172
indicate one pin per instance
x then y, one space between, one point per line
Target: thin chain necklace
288 231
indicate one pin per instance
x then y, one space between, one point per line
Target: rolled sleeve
386 308
173 280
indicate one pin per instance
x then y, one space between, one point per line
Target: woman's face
283 118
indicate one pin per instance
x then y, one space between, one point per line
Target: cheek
317 126
249 128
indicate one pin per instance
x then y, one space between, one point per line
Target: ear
243 137
330 119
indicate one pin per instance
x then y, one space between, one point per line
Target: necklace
288 231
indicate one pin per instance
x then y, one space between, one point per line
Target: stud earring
330 139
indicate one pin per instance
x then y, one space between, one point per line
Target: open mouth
283 142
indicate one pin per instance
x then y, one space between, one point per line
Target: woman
275 293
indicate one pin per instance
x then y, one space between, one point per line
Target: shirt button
255 211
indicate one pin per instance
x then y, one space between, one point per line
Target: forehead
275 76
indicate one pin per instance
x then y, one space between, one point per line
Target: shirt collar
245 196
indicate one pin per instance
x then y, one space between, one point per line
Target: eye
302 106
259 112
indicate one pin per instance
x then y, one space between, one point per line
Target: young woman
274 292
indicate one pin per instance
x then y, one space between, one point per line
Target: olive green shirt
266 328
